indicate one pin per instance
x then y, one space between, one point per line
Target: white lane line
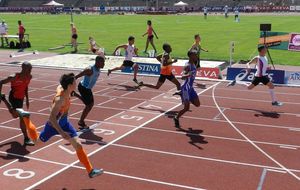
112 99
251 142
277 171
262 179
217 117
48 108
47 96
108 144
200 157
108 173
207 96
295 129
219 137
9 121
13 128
251 100
288 147
50 86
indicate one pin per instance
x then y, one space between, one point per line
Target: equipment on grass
63 46
19 54
266 28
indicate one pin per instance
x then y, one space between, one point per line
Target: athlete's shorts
188 94
75 36
14 102
86 94
162 78
50 131
150 37
264 79
205 14
21 36
128 63
94 50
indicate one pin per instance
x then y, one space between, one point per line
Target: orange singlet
65 108
166 70
19 86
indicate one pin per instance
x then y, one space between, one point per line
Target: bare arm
253 61
158 58
120 46
27 98
186 74
155 34
5 81
166 63
145 34
204 49
86 72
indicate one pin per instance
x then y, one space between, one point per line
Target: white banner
292 77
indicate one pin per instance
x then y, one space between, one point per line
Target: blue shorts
188 94
50 131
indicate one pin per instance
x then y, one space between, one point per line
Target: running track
235 140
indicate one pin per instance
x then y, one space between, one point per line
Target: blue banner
240 74
145 68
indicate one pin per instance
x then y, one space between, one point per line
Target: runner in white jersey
130 52
261 75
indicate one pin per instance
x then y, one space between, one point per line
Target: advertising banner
204 72
292 78
145 68
240 74
294 43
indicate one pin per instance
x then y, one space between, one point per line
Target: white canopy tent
181 4
54 4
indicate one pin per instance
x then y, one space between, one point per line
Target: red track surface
136 143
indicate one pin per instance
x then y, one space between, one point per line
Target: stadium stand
150 3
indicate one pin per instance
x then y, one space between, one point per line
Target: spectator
3 31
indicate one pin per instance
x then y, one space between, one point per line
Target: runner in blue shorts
188 93
58 122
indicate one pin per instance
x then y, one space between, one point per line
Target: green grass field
111 30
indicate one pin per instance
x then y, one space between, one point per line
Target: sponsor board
145 68
292 77
204 72
275 40
294 43
240 74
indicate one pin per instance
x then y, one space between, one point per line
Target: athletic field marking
262 179
141 99
105 146
49 86
220 137
251 142
107 172
200 157
9 120
217 117
288 147
251 100
12 128
112 99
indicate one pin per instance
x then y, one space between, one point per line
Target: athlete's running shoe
22 113
95 172
232 83
277 103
